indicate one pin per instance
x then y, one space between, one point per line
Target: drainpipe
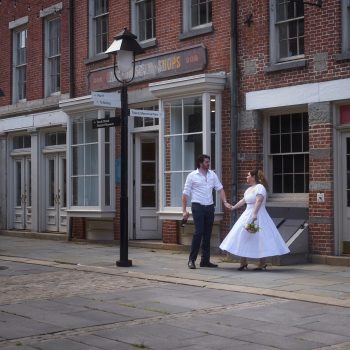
71 87
234 104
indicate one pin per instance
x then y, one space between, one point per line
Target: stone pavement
57 294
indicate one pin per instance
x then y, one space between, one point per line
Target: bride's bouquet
252 227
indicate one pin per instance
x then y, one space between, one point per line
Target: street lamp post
124 49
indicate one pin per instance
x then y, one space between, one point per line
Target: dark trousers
203 218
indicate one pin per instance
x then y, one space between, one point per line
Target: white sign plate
106 99
145 113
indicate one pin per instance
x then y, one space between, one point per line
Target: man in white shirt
199 185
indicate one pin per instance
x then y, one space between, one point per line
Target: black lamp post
124 48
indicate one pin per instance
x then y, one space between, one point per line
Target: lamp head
125 47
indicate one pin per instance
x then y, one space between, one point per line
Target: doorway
345 175
55 193
146 222
22 193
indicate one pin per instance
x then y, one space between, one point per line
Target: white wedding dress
266 242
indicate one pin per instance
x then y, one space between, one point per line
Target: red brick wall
78 228
170 231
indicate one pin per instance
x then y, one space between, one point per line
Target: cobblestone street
55 304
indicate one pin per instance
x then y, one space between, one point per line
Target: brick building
253 83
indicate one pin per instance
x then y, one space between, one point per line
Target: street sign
105 123
146 113
106 99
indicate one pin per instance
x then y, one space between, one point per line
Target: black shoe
207 264
260 267
191 265
242 267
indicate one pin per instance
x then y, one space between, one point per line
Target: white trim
51 9
333 90
33 121
212 83
18 22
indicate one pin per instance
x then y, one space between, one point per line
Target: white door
56 195
22 193
146 187
346 193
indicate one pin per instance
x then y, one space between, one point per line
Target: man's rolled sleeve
188 186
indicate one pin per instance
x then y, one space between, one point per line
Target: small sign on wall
345 114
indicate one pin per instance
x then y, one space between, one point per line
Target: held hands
229 206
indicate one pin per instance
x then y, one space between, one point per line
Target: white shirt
200 187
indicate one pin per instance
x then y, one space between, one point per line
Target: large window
98 26
286 30
145 20
91 163
20 64
289 153
190 130
197 17
53 55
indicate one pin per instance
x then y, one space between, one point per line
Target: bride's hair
260 178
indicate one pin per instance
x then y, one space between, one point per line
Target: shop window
286 31
20 64
22 141
197 17
190 130
52 56
91 154
98 31
144 20
289 153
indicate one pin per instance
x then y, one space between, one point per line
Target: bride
254 235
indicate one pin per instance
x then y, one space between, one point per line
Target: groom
199 185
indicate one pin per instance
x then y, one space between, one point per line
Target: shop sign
145 113
106 99
105 123
175 63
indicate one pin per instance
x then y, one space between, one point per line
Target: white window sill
90 213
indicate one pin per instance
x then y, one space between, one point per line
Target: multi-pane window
145 19
289 151
143 122
290 28
84 161
99 26
22 141
53 54
55 138
345 7
20 64
201 12
189 132
91 163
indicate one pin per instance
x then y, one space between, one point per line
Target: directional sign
146 113
105 123
106 99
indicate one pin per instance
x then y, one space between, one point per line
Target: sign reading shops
178 62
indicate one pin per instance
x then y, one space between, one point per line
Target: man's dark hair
200 160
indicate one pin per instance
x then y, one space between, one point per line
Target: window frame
93 50
188 30
49 91
277 62
101 209
135 6
345 8
279 199
18 67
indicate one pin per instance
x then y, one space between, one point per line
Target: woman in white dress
242 240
